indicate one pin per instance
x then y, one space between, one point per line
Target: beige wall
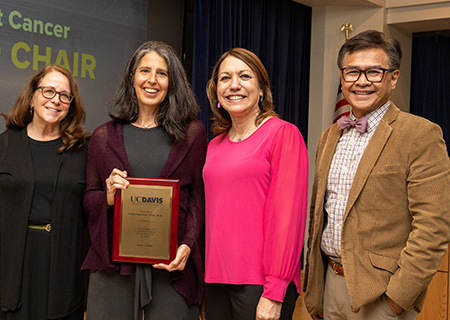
397 18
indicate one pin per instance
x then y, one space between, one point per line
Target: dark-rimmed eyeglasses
50 93
372 74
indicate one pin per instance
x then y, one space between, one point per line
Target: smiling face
362 95
151 81
50 111
238 89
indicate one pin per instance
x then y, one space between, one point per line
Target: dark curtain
277 31
430 78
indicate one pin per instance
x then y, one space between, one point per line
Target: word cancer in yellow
16 21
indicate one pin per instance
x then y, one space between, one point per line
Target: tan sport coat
397 220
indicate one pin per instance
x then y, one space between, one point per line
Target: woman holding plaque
256 184
43 155
154 134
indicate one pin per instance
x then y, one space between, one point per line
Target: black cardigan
66 292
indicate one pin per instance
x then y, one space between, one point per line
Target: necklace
245 135
148 126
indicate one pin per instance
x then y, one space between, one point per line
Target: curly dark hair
179 107
71 127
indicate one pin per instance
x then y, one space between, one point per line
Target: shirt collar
374 117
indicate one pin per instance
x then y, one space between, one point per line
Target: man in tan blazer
379 218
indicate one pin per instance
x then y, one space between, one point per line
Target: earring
218 105
261 100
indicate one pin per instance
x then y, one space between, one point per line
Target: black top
46 160
147 149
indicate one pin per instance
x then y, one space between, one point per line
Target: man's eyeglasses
372 75
50 93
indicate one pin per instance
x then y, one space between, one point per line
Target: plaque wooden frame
120 218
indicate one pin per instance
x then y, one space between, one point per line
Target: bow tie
360 124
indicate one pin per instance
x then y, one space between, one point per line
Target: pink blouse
256 199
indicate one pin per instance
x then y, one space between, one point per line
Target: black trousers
238 302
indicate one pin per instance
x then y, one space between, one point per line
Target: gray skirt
114 296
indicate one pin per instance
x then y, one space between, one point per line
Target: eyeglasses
372 75
50 93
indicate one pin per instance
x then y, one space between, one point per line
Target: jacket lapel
371 155
17 157
117 146
328 143
178 151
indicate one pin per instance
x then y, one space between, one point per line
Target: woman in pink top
256 180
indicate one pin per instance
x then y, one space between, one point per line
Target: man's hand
394 305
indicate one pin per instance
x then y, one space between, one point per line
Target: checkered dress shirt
347 156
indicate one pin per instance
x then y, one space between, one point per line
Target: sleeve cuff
189 242
275 288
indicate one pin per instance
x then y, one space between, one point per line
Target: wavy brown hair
222 119
71 127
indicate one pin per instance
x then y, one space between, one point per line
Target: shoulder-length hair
71 127
222 119
179 107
